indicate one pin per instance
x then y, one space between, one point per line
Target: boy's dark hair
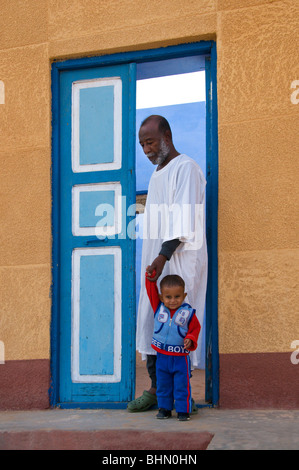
172 280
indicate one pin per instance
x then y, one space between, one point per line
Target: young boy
176 330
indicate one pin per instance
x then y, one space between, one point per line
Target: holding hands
157 266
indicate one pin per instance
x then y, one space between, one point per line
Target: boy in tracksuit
176 330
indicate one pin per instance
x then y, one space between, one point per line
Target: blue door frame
209 49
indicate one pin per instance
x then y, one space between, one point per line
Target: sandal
143 403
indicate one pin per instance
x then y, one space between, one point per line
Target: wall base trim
258 380
25 384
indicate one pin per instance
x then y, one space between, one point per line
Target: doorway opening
176 89
81 180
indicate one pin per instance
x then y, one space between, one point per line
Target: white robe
179 185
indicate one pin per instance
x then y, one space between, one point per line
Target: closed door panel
96 262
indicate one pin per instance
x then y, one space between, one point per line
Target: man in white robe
174 239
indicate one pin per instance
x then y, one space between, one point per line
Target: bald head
155 138
161 122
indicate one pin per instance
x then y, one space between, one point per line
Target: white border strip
170 90
107 230
75 346
76 87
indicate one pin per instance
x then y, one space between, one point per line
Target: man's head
155 138
173 293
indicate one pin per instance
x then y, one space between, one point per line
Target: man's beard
161 155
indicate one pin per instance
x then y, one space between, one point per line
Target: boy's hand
188 343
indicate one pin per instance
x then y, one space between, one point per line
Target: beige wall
258 52
258 58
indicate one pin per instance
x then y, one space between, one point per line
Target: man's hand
157 265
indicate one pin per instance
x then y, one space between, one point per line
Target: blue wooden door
96 255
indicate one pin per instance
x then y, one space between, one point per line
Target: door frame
171 52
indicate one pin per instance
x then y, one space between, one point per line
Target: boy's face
172 297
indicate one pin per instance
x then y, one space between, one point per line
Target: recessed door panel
97 184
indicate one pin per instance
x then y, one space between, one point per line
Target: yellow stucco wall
258 59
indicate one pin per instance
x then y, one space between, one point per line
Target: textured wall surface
258 59
258 52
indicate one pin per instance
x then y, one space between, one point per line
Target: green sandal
143 403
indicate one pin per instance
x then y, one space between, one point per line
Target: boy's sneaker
183 416
163 414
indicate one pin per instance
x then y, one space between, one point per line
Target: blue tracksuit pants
173 382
